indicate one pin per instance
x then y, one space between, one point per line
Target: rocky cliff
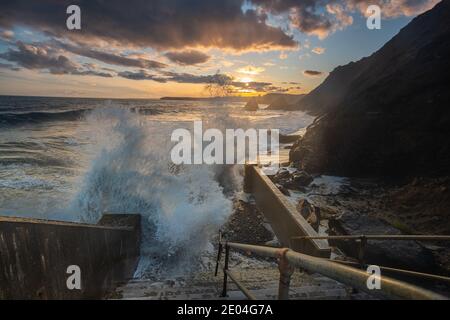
387 114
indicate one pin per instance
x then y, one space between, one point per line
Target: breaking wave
181 206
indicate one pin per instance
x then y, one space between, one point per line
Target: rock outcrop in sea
252 105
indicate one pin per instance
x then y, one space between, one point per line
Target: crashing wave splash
181 207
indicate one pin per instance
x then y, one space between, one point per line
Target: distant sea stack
280 101
387 114
252 105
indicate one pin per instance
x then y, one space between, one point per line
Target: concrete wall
35 254
284 219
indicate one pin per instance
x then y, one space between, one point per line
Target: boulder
300 179
402 254
295 181
281 177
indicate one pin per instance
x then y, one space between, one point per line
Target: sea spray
48 162
181 207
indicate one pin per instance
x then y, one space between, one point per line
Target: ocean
72 159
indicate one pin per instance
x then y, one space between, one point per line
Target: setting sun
246 80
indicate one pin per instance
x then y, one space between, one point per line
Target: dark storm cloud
110 58
91 73
191 78
8 66
141 75
318 17
394 8
161 24
167 76
188 57
253 85
35 57
312 73
197 79
322 17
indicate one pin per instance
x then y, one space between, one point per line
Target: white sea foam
181 207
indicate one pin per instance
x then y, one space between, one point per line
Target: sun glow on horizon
246 80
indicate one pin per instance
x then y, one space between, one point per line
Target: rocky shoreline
354 206
383 122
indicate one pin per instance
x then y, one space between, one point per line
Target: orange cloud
250 70
318 50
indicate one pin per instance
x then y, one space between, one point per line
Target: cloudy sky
149 49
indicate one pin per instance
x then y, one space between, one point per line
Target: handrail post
361 251
225 269
285 275
219 254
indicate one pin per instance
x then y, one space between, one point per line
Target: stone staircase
260 278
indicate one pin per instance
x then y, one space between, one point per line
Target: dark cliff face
388 114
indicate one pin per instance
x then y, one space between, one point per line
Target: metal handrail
380 237
362 240
351 276
409 273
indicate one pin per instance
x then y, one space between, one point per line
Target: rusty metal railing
379 237
361 241
402 272
289 259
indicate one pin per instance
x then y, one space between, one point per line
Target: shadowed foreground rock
391 253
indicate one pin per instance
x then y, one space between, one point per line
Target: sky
151 49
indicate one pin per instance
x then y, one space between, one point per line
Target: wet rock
295 181
281 177
283 190
327 212
409 254
310 212
299 179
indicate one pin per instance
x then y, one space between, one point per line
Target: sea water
73 159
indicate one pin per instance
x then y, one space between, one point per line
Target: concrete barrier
284 219
35 255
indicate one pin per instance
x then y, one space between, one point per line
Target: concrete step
263 283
